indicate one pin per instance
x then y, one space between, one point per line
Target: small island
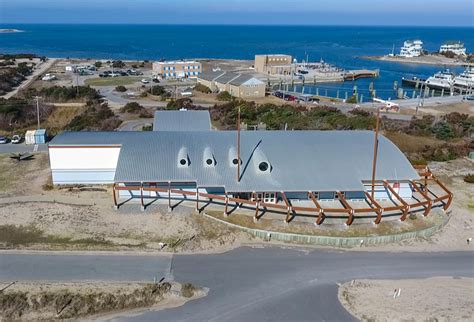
7 31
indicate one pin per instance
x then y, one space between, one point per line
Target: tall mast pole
238 145
376 147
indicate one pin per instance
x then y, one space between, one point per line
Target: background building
177 69
238 85
274 64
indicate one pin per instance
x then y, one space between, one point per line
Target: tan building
177 69
238 85
274 64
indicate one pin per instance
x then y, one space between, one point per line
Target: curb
335 241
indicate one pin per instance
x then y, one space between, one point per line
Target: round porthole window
209 161
182 161
235 161
263 166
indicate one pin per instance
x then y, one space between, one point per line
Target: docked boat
465 79
412 82
441 80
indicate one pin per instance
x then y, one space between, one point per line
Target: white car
3 140
145 81
16 139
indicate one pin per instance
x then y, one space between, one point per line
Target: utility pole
238 145
37 98
376 147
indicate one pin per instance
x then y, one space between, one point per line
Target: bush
147 128
97 117
98 64
180 103
352 100
157 90
224 96
469 178
202 88
118 64
132 107
121 89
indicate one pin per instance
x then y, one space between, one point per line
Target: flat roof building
274 64
177 69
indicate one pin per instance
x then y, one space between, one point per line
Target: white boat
465 79
456 47
441 80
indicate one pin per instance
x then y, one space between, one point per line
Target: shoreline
421 60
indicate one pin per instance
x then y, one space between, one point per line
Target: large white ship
412 48
441 80
465 79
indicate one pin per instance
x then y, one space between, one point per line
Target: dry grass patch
411 143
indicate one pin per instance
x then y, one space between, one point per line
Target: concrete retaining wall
336 241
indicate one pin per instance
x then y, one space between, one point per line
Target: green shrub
121 89
224 96
469 178
202 88
157 90
132 107
352 100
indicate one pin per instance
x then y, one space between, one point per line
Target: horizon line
232 24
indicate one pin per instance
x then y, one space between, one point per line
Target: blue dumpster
40 136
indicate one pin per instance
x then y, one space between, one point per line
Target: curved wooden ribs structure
421 186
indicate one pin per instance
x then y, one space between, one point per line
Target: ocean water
342 46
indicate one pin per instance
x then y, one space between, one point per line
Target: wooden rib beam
226 205
289 209
141 196
114 194
429 202
319 209
169 195
378 209
406 207
349 209
449 194
197 199
254 194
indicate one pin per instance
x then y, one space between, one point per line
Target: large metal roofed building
281 170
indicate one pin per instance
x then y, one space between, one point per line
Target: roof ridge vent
183 158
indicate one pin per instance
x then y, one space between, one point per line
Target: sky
246 12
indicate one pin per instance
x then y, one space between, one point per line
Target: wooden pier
361 73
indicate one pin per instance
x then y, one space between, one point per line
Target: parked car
145 81
16 139
469 98
3 140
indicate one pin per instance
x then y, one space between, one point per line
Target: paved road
78 267
135 125
22 148
247 284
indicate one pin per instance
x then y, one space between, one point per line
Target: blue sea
339 45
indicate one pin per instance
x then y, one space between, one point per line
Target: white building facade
177 69
455 47
412 48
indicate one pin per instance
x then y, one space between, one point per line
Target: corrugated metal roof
210 75
299 160
242 79
182 121
227 77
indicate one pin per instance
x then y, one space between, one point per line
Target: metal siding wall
83 177
354 195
